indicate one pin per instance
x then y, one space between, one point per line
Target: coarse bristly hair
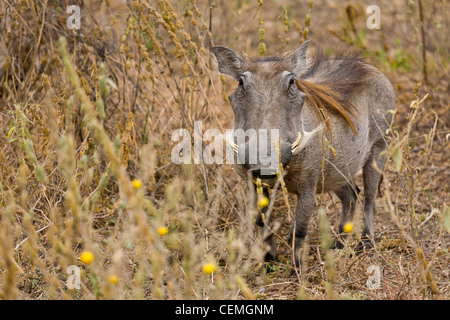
330 81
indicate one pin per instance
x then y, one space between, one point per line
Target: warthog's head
266 98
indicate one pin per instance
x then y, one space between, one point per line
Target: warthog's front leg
303 212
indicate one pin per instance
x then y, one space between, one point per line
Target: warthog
327 110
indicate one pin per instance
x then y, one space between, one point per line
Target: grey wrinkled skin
267 98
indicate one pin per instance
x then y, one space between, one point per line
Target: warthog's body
351 94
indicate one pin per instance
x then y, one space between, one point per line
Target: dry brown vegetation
83 113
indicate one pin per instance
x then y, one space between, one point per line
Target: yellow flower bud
113 279
348 227
208 268
263 202
162 231
137 184
87 257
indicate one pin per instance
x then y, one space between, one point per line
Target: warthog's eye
241 81
291 81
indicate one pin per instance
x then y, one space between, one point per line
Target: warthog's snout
264 162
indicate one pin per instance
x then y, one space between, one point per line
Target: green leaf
10 131
397 156
28 134
332 149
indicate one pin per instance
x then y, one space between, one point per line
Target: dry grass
85 143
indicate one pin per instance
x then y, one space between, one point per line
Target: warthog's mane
330 81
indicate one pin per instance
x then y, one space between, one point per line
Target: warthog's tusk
296 143
233 146
303 139
295 147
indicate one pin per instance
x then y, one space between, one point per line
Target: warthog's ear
229 61
300 58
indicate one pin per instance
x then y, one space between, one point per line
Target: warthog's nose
285 154
263 166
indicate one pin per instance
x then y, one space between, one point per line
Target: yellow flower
113 279
208 268
87 257
162 231
263 202
348 227
137 184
